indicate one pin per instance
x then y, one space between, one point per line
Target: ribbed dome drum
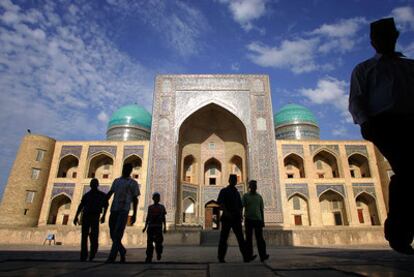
131 122
293 121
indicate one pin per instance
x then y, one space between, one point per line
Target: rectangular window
321 175
136 176
212 171
335 205
106 166
353 173
212 181
211 146
67 206
290 176
105 176
35 173
30 196
74 174
40 155
296 203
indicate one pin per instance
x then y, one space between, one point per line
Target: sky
66 66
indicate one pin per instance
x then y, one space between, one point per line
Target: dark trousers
257 227
154 235
90 228
117 223
390 133
224 235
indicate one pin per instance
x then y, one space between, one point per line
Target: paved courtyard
201 261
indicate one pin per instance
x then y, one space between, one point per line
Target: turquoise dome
131 115
294 114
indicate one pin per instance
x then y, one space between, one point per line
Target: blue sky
65 66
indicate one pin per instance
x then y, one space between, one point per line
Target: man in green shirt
254 220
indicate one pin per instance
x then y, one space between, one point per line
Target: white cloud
296 55
340 131
404 17
330 91
301 54
246 11
409 50
62 77
179 24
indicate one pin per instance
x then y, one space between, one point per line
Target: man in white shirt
381 101
125 191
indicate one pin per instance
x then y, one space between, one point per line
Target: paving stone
239 270
312 273
175 273
375 271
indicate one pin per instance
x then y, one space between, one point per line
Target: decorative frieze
292 189
316 147
292 148
321 188
63 188
74 150
352 149
93 149
133 150
359 188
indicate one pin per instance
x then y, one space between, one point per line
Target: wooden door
298 220
65 219
209 218
361 215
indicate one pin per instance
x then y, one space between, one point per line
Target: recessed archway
367 209
359 166
211 145
59 210
294 166
136 163
100 166
326 165
333 209
212 215
68 167
299 210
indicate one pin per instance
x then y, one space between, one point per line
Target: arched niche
212 172
367 209
100 166
59 210
333 209
136 163
189 169
299 210
68 167
212 215
326 165
189 211
359 166
294 166
236 168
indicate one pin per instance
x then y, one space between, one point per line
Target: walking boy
91 206
153 226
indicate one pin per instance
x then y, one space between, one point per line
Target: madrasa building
203 128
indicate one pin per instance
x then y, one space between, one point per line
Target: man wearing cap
381 101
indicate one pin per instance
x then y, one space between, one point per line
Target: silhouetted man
382 102
93 203
254 221
125 190
230 202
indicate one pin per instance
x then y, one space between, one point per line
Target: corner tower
25 189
